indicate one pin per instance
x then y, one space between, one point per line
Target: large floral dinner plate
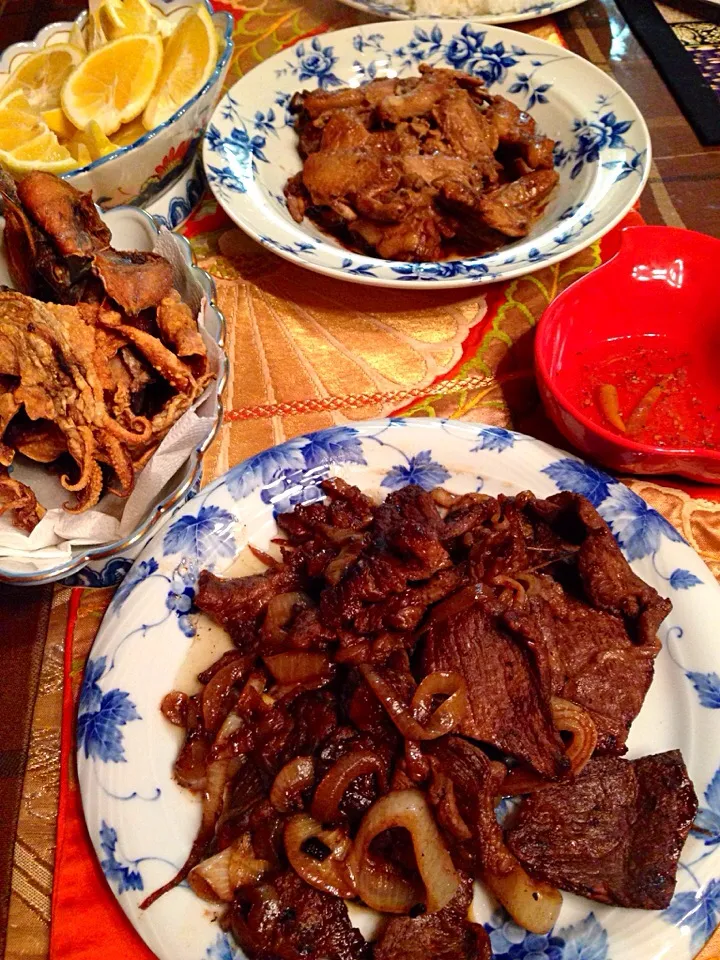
602 148
403 10
142 824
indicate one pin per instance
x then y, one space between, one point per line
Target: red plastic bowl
663 287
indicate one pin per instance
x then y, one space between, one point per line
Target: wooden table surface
683 190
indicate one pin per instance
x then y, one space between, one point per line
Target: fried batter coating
66 215
15 496
134 279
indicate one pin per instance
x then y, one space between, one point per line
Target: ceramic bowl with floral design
602 150
142 171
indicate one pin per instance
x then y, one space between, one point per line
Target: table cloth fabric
307 352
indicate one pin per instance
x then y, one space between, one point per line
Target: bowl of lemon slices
117 101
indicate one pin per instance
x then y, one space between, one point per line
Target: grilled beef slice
445 935
615 834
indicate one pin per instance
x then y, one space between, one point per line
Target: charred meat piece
445 935
403 545
237 603
289 920
615 834
516 129
506 707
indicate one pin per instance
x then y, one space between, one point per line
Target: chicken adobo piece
99 355
420 168
393 673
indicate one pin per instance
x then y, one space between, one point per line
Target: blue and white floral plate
602 152
404 10
142 823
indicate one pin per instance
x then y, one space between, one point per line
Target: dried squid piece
19 498
136 280
179 331
67 216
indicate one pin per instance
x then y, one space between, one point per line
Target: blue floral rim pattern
601 155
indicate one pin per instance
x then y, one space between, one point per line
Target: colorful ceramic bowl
659 291
142 171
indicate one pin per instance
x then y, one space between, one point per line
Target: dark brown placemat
677 66
24 614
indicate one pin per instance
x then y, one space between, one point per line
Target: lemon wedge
59 123
42 152
18 124
96 141
118 18
41 75
129 132
113 84
190 57
78 148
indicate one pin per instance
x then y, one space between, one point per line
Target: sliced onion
219 773
442 796
450 713
174 707
443 498
329 875
280 610
298 666
245 868
382 890
217 878
337 567
216 697
332 787
570 718
532 904
567 718
447 716
210 879
297 775
511 585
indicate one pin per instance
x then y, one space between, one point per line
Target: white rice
467 8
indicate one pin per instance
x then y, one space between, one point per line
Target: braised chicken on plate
419 168
393 674
99 355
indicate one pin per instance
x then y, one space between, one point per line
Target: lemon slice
190 57
43 152
129 132
96 141
18 124
41 75
118 18
113 83
59 123
78 148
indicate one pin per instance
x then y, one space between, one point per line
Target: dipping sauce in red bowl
628 357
